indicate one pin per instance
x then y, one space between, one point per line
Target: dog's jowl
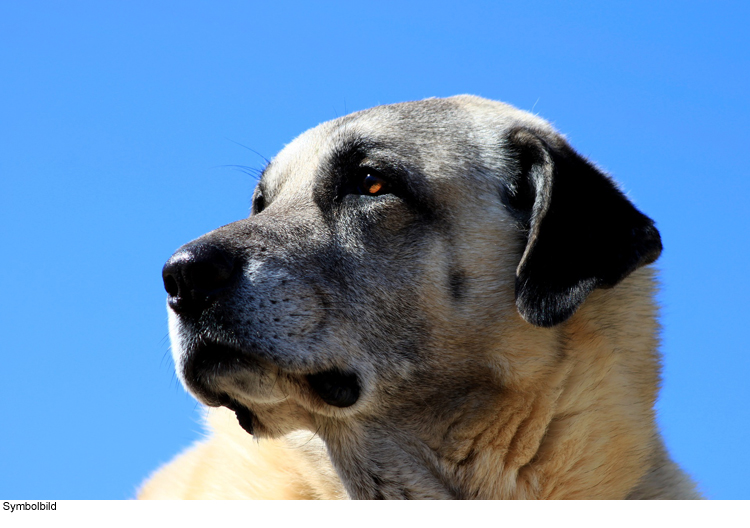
435 299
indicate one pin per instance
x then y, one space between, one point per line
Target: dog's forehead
431 129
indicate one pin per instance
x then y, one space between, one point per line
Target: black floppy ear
583 233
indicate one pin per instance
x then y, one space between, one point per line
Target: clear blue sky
119 121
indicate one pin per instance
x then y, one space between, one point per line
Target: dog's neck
576 424
581 432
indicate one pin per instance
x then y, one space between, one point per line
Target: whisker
243 168
250 171
251 150
313 436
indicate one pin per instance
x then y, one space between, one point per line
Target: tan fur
542 413
233 465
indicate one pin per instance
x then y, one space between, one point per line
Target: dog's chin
221 375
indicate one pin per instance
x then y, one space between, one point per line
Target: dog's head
376 293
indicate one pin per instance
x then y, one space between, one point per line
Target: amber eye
372 185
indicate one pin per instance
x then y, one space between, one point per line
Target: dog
435 299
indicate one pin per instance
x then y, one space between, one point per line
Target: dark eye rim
259 202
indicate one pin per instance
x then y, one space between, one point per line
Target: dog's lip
214 357
336 387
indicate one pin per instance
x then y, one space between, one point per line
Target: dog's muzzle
198 276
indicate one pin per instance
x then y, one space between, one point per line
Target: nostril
195 275
170 284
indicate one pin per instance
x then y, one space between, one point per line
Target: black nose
196 275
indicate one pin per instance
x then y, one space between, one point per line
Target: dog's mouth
210 362
336 388
215 359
